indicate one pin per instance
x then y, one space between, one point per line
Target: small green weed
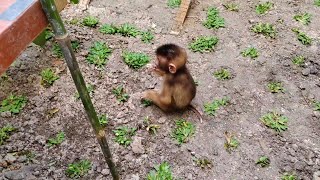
214 20
56 140
161 172
289 176
103 119
203 163
124 135
275 87
78 169
120 94
302 37
298 60
251 52
263 161
211 107
153 128
74 21
317 3
146 102
48 34
4 77
57 52
275 121
90 21
146 36
174 3
5 133
135 60
129 30
266 29
222 74
316 105
304 18
98 54
48 77
183 131
263 7
231 7
13 104
90 89
108 29
231 142
203 44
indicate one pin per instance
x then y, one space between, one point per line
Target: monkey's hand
148 95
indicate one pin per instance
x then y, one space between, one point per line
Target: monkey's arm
163 101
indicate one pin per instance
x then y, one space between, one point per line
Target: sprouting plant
266 29
78 169
98 54
146 36
263 7
90 21
153 128
173 3
203 44
251 52
161 172
183 131
57 52
222 74
298 60
275 121
316 106
263 161
317 3
48 77
302 37
124 135
13 104
146 102
231 7
203 163
214 20
304 18
103 119
135 60
120 94
48 34
129 30
56 140
74 21
108 29
289 176
275 87
210 108
5 133
90 89
231 142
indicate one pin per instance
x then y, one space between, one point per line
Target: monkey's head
170 58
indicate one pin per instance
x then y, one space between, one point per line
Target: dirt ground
295 150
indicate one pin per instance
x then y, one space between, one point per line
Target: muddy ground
295 150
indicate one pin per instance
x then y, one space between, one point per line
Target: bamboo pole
64 41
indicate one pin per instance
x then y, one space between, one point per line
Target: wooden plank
181 16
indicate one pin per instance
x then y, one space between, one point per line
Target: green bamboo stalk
64 41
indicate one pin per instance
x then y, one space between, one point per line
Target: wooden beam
181 16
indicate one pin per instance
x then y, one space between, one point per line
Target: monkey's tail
196 112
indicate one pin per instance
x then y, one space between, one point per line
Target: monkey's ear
172 68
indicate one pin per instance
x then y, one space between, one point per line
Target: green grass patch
304 18
203 163
13 104
275 121
222 74
298 60
317 3
173 3
90 21
124 135
210 108
78 169
204 44
231 7
135 60
146 36
57 51
108 29
184 131
316 105
231 143
266 29
263 161
56 140
5 133
99 54
264 7
48 34
214 20
161 172
250 52
289 176
146 102
103 119
302 37
48 77
128 30
275 87
120 94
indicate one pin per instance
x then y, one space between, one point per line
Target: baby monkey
178 88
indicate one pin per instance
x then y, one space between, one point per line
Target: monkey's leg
163 102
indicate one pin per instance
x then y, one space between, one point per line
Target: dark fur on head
169 51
